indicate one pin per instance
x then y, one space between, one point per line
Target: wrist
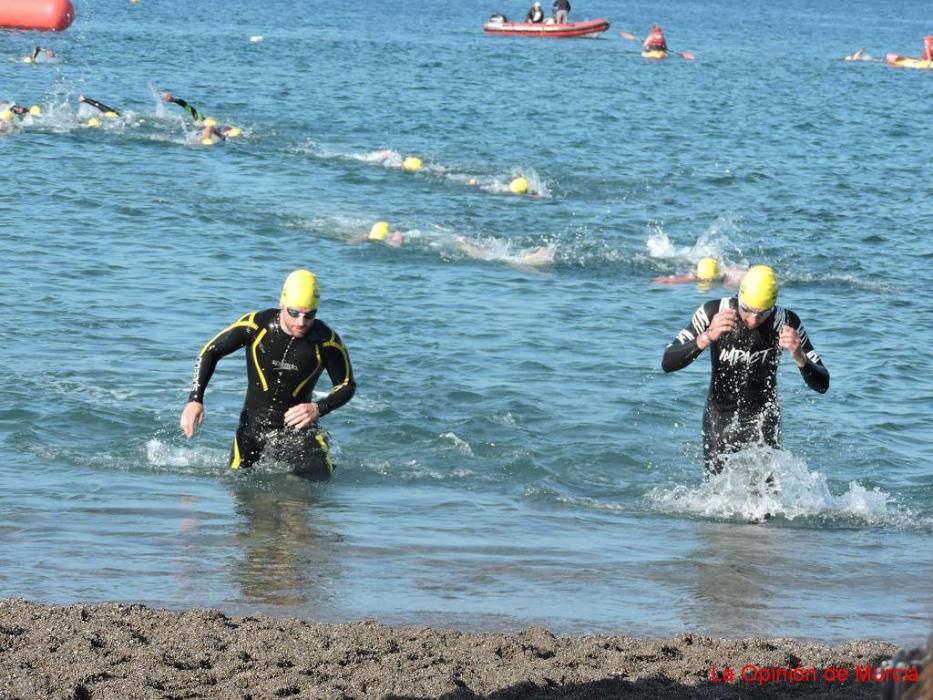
705 338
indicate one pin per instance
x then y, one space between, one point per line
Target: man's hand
302 415
192 416
723 322
790 341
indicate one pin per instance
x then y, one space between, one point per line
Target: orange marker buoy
43 15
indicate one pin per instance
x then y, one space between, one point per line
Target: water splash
163 454
759 483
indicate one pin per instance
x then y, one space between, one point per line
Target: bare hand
723 322
166 96
192 416
790 341
302 415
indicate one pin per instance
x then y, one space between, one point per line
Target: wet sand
120 651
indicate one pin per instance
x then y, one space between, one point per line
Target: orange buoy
46 15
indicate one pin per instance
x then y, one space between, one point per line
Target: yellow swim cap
6 115
93 121
412 163
35 110
210 121
233 132
300 290
111 115
379 231
518 186
707 269
208 141
759 289
27 59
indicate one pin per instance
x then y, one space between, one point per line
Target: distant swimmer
381 232
10 111
708 272
859 55
39 55
211 132
746 335
288 348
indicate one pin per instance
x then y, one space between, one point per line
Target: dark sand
121 651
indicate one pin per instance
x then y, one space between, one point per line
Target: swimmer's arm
687 345
690 277
195 114
337 363
97 105
230 339
813 371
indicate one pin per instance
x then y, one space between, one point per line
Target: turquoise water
514 454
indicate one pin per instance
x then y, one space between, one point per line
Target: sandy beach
132 651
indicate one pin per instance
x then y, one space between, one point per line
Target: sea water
514 454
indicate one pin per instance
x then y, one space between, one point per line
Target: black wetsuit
535 15
281 371
742 406
99 105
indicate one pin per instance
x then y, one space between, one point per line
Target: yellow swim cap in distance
111 115
210 121
759 288
6 115
412 163
93 121
707 269
379 231
233 132
35 110
300 290
518 186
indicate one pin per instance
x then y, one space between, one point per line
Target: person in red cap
655 40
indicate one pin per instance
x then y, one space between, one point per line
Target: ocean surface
514 455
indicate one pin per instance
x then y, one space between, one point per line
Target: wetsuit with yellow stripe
281 370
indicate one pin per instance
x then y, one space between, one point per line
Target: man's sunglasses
295 313
753 312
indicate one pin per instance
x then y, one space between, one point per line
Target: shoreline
116 650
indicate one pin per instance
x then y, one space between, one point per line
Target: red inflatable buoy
46 15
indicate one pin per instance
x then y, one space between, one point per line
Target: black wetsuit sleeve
195 114
337 363
814 373
230 339
100 105
683 349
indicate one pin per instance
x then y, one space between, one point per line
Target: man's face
752 317
297 320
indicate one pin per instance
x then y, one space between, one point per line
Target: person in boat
561 10
746 335
289 349
655 40
708 272
928 48
211 133
535 14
